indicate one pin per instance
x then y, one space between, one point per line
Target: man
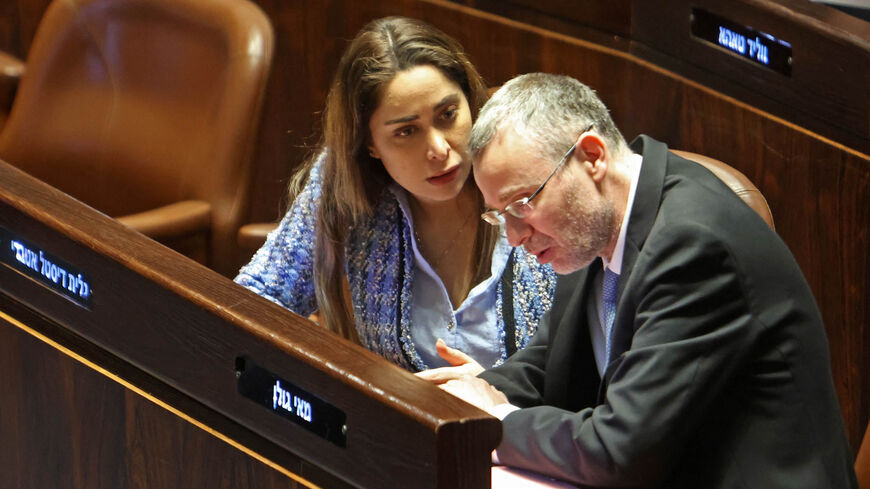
686 352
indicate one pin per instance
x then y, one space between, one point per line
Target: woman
387 211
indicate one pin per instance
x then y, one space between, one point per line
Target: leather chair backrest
736 180
130 105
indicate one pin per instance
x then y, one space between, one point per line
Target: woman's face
420 133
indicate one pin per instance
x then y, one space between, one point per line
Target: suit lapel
647 199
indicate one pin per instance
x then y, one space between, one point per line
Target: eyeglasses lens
492 217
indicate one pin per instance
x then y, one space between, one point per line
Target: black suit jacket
719 374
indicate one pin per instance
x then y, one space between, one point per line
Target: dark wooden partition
803 139
826 89
123 362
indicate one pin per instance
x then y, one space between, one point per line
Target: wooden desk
121 363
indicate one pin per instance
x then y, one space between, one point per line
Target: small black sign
290 402
34 262
759 47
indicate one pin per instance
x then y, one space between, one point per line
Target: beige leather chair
737 181
147 110
252 236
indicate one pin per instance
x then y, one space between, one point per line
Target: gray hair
547 110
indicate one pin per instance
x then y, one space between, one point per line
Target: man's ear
593 152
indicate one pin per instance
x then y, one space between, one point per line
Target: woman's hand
463 365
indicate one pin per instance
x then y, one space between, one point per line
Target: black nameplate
46 269
758 47
290 402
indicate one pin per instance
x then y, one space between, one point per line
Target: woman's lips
444 178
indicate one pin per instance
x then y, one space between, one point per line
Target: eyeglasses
523 207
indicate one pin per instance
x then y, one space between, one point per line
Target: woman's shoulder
306 184
316 165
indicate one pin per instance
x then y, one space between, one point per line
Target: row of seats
147 110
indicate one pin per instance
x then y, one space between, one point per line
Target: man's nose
518 231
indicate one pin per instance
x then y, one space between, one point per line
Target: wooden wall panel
65 425
18 21
604 22
827 88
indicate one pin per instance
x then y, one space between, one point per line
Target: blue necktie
609 291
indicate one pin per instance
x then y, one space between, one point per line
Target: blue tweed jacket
380 269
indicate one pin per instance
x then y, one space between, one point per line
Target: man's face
571 221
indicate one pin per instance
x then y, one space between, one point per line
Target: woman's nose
438 147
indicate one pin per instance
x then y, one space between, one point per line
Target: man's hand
477 391
463 365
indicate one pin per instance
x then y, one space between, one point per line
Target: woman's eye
450 114
405 131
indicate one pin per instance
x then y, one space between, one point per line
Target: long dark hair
353 179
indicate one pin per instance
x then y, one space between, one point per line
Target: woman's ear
373 152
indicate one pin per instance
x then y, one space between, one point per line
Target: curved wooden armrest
178 219
252 236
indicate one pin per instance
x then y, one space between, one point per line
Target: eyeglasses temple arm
562 162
